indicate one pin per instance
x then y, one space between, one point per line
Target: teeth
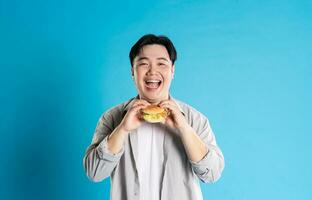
152 81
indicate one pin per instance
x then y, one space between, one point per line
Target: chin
154 98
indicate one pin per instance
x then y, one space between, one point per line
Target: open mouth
153 83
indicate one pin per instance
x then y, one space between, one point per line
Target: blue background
244 64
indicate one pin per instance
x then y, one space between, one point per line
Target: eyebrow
162 58
141 58
146 58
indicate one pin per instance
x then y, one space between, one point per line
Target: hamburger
154 114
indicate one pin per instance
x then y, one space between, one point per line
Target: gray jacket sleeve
208 169
98 162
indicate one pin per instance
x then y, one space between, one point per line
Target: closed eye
162 64
142 64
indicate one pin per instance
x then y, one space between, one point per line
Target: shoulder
195 118
189 110
115 114
117 109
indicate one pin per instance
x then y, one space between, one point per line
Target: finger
140 102
166 102
163 102
138 111
172 111
138 107
169 122
170 107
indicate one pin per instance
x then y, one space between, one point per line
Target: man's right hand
132 120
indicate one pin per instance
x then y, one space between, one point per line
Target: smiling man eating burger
154 146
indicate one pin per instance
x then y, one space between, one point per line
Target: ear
132 72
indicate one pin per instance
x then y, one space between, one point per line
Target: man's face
153 71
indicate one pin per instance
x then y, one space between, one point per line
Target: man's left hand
175 120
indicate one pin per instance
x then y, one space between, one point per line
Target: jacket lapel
134 146
133 136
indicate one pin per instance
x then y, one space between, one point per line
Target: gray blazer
180 176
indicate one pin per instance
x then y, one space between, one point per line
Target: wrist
121 129
184 130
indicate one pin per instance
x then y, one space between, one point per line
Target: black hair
153 39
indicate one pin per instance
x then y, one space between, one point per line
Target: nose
152 69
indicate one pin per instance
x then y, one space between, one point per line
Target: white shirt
150 160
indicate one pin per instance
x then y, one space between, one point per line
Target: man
152 161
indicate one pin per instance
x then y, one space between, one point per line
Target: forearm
207 160
101 159
116 140
194 146
99 162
